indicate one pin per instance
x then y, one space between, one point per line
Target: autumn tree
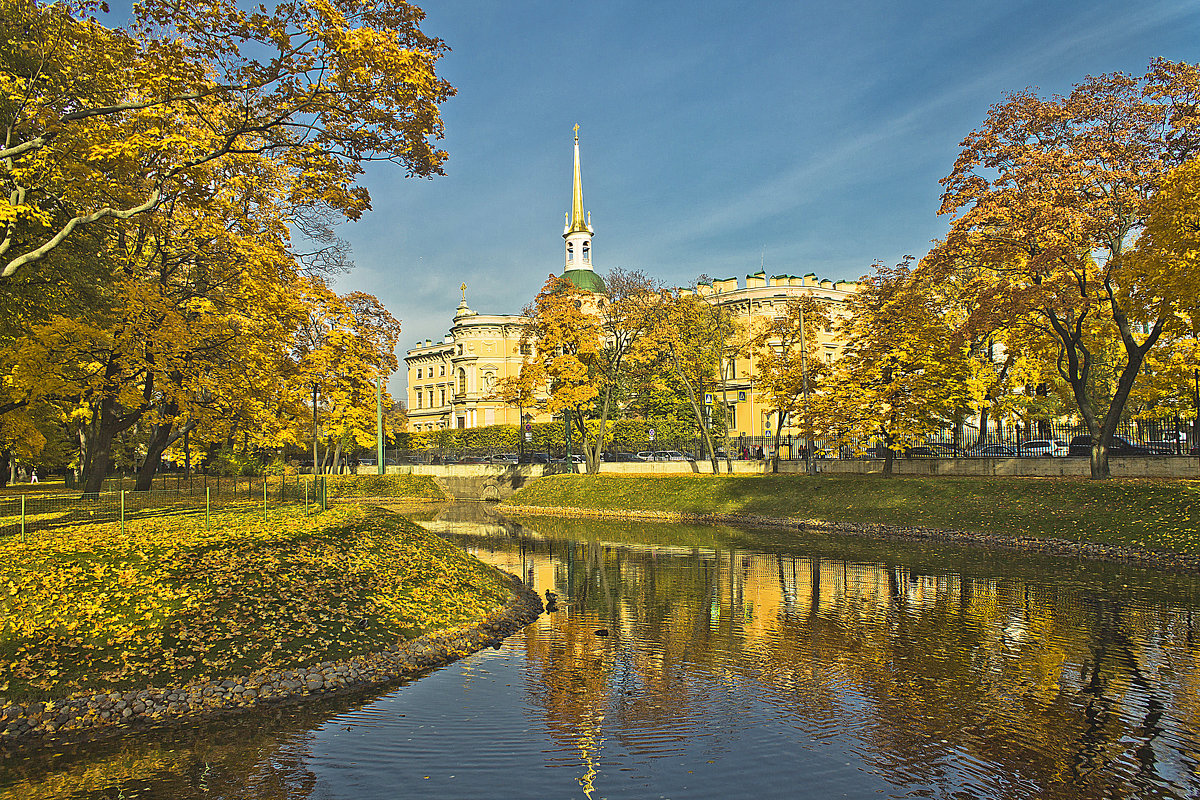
343 347
789 370
903 369
564 336
688 343
109 124
1049 197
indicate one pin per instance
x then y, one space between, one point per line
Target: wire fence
32 512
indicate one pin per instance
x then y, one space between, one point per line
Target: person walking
33 475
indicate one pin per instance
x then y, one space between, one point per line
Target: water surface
691 661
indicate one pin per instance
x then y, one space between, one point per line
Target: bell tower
577 230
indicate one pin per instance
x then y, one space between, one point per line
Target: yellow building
759 299
450 381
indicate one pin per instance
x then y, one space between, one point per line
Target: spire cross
464 291
576 131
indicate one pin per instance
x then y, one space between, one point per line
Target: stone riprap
84 715
1181 562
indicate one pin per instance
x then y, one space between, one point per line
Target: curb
83 716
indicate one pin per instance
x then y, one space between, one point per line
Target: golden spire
578 218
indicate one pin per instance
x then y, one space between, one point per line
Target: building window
431 398
460 349
587 251
462 381
443 397
462 423
418 373
570 251
526 350
418 399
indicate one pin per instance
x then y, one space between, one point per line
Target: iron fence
1140 438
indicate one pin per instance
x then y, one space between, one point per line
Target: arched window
587 251
462 381
570 251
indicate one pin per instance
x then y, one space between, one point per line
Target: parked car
671 455
625 457
1166 447
504 458
946 449
644 455
1120 446
1046 448
474 460
919 451
534 458
995 451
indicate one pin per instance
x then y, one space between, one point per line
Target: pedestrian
33 475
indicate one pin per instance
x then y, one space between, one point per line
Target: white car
1053 448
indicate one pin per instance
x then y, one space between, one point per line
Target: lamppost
379 424
804 377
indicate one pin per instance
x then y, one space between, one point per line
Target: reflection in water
698 661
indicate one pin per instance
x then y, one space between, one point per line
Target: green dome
585 279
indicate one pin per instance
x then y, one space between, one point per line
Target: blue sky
810 135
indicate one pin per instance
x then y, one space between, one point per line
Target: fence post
264 498
122 512
22 519
306 498
207 506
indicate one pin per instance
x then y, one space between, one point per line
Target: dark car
995 451
1119 446
920 451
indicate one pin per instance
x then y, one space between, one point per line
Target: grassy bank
1146 513
170 602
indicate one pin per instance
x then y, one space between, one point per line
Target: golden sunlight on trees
1049 197
790 372
109 124
904 369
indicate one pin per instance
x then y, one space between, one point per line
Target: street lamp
804 377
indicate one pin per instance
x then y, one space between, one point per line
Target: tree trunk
712 453
779 417
5 463
160 440
889 455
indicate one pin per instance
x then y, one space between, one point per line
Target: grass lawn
170 602
1148 513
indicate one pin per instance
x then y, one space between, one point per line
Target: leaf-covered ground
171 602
1146 513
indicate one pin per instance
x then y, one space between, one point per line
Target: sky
805 136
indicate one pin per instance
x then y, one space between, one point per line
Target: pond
692 661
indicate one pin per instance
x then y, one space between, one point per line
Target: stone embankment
1180 562
83 715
